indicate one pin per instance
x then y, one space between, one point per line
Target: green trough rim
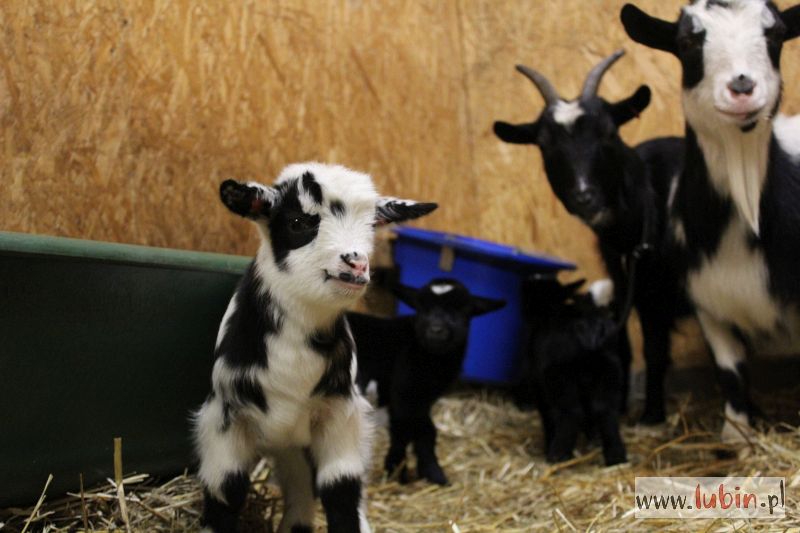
131 254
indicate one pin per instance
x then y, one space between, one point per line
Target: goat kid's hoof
653 418
559 457
434 474
398 473
615 458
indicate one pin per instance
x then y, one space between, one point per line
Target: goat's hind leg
226 457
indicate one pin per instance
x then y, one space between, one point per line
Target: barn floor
499 479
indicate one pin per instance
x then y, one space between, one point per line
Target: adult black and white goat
414 360
283 379
736 211
622 194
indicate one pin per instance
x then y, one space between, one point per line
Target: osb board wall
119 119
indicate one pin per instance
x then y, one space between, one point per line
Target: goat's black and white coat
620 192
283 379
737 206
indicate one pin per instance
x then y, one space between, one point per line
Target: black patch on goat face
690 41
290 227
242 344
336 346
312 187
775 36
338 209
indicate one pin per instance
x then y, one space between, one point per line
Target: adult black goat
623 194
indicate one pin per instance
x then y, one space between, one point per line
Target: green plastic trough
97 341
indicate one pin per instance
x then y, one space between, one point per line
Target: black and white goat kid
414 360
572 366
622 194
283 379
737 206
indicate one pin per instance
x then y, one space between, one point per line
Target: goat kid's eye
300 224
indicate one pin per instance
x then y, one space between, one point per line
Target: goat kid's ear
250 200
389 210
791 18
407 295
570 288
517 133
649 31
632 106
481 306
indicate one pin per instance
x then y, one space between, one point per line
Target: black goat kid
572 366
623 194
414 359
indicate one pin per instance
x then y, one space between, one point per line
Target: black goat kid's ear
389 210
249 200
791 18
481 306
570 288
649 31
632 106
407 295
516 133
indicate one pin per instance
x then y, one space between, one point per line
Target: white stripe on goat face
735 46
566 113
440 289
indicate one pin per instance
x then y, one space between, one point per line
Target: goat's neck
626 229
736 163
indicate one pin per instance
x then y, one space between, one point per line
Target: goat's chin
340 290
598 220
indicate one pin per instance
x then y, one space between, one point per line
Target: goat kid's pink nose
358 263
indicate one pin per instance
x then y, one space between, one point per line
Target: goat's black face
444 309
579 149
544 295
582 152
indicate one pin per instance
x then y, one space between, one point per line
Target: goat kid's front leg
296 478
425 449
340 446
226 457
730 357
400 432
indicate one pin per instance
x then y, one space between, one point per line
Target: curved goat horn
596 75
545 87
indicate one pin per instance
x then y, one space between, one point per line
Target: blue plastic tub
487 269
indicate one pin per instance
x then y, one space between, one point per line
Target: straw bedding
499 480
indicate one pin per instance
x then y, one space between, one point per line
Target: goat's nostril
742 86
584 198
